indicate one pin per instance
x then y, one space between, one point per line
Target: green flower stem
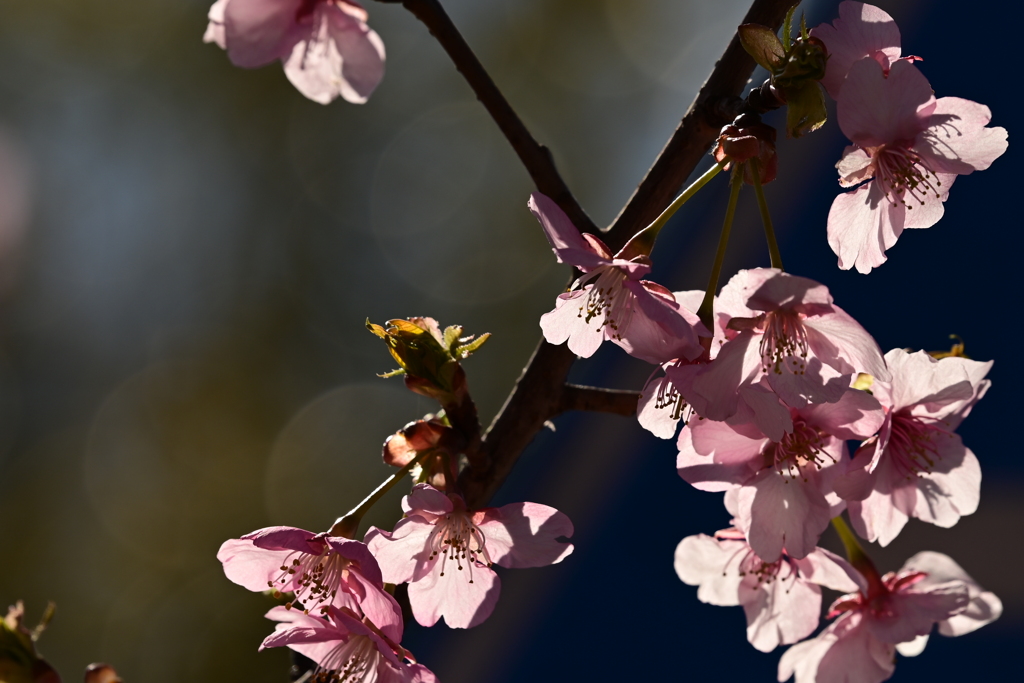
347 526
706 311
660 221
766 217
857 557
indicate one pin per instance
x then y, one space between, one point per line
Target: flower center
784 342
803 448
745 562
905 177
912 446
314 578
668 397
607 300
353 661
456 539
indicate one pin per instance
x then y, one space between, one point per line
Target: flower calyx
746 139
430 438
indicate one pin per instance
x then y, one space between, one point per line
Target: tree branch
598 400
715 106
535 157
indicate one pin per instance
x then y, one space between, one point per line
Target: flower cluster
908 147
763 384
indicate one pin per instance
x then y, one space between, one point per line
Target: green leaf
763 45
805 108
469 346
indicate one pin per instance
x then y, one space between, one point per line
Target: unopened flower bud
101 673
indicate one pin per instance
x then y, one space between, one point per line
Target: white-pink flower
610 301
782 489
907 150
861 31
445 552
917 466
790 334
326 46
781 599
346 648
321 570
895 613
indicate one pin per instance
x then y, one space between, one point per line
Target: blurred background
188 252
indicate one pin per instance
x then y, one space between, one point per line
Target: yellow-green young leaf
763 45
469 346
451 337
806 111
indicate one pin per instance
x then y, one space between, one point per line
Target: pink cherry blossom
661 406
610 301
346 648
861 31
895 613
784 497
781 599
445 552
326 46
909 148
789 334
917 466
321 570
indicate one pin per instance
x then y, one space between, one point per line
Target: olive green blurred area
182 350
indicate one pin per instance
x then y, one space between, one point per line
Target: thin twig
598 400
715 106
535 157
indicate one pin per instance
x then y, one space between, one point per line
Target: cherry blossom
346 648
445 552
791 335
907 150
917 466
895 613
781 599
610 301
784 497
325 45
661 406
861 31
321 570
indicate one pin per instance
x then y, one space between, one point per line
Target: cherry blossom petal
714 456
861 30
857 415
983 608
658 421
403 554
841 342
258 32
464 598
958 140
344 57
426 501
779 612
825 568
567 323
862 225
249 566
525 535
952 489
844 652
215 29
776 512
912 613
569 246
700 561
875 109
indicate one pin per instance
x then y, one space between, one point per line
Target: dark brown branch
535 156
598 400
715 105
